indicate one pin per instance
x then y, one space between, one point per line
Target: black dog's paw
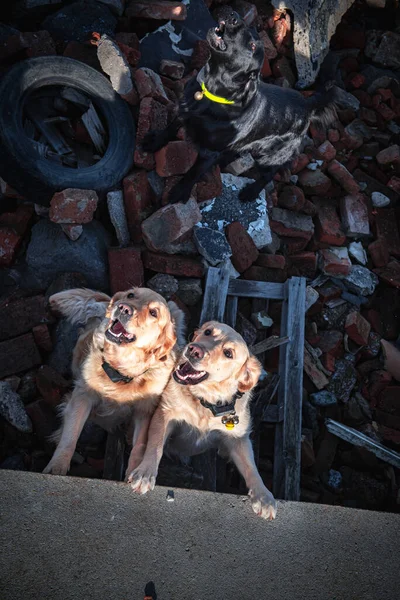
179 193
249 193
153 141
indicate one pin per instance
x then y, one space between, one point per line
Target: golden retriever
121 363
205 405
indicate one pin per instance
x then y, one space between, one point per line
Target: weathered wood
114 462
95 128
292 386
256 289
214 299
315 374
272 342
231 311
75 97
48 130
360 439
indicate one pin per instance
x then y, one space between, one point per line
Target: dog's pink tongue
118 328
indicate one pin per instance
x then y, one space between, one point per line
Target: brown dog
205 405
121 364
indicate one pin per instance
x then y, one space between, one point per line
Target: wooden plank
48 130
76 97
231 311
256 289
114 462
292 386
272 342
360 439
95 128
215 293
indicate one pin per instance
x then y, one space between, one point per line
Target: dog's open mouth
217 36
118 334
187 375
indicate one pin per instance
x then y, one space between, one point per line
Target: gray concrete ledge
78 539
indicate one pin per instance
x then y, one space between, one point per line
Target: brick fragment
42 338
386 228
126 268
389 155
292 198
328 228
176 158
173 264
305 263
314 183
271 261
169 224
343 177
332 264
139 201
152 117
156 9
244 250
172 69
18 355
379 252
20 316
51 385
357 328
73 206
355 216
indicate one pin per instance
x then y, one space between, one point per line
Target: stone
346 99
343 177
173 264
244 250
389 155
227 208
149 84
169 224
139 201
361 281
343 379
66 281
331 342
390 274
77 21
65 336
314 183
172 69
357 328
73 232
51 385
379 200
190 291
328 229
126 269
389 50
212 245
386 227
88 255
116 210
394 184
323 399
20 316
156 9
354 213
292 198
335 261
12 409
152 116
261 320
18 354
291 224
39 43
356 250
176 158
165 285
116 66
210 186
41 335
379 252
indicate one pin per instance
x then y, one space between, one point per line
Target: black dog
227 111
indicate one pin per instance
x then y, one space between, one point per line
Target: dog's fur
265 120
219 365
146 351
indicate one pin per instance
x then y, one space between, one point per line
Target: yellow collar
211 96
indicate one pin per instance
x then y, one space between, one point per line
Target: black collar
224 409
115 375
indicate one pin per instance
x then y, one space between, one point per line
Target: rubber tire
36 178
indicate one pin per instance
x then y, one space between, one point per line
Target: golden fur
146 352
221 353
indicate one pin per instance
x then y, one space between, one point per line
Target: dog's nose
125 309
196 351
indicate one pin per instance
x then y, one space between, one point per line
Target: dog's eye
130 295
207 332
153 312
228 353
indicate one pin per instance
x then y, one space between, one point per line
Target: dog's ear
249 374
166 341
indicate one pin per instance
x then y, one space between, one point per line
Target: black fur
266 120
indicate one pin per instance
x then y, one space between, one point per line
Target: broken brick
379 252
331 342
314 183
169 224
176 158
9 244
355 216
386 228
126 269
210 186
256 273
19 354
42 338
291 224
328 229
156 9
201 54
390 273
51 385
305 263
332 264
73 206
20 316
139 200
326 151
357 328
292 198
244 250
343 177
270 51
389 155
271 261
172 69
148 83
152 116
173 264
299 163
394 184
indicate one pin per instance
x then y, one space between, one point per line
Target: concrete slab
78 539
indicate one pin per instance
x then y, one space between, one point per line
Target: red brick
379 252
386 228
173 264
210 186
255 273
354 216
394 184
343 177
270 51
299 163
305 263
331 342
129 39
333 265
389 155
139 200
292 198
363 97
314 182
51 385
291 224
169 224
328 228
9 244
131 54
355 80
294 245
39 43
310 209
176 158
20 316
19 220
357 328
43 419
73 206
201 54
279 31
244 250
19 354
148 83
152 116
387 113
156 9
326 151
328 361
390 274
169 184
271 261
329 292
42 338
172 69
126 268
349 64
266 68
317 134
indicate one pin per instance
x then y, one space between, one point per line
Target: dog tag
198 95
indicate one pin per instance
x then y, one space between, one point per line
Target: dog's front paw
249 193
263 503
57 467
153 141
142 480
